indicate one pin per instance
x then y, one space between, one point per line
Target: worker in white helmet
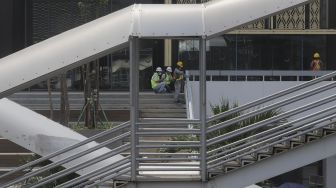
157 81
168 79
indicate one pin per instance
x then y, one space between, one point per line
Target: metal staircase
178 159
192 157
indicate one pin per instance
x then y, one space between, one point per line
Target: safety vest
155 79
168 78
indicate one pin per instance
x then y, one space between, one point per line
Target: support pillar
134 102
168 46
167 52
329 168
202 83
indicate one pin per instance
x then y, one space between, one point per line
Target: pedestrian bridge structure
202 152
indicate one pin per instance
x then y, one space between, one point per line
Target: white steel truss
105 35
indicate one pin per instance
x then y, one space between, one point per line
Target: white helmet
169 69
158 69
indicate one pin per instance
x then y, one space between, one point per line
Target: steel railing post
134 103
202 90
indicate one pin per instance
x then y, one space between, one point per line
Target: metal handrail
67 159
95 180
168 159
189 97
260 73
74 146
271 97
241 147
274 135
168 121
214 157
160 133
271 107
281 140
68 171
124 163
195 163
266 134
270 120
170 169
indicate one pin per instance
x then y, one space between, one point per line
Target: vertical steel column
134 102
202 86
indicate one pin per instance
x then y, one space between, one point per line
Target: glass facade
263 45
262 52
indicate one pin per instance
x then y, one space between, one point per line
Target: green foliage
223 107
35 179
100 126
220 108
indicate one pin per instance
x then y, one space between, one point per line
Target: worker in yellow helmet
178 76
316 63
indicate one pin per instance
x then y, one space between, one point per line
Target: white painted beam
43 136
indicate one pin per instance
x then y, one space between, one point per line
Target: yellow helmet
180 63
316 56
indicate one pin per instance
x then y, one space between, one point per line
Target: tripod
93 107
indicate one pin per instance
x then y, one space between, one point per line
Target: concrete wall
244 92
329 166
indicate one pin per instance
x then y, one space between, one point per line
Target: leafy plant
226 106
223 107
35 179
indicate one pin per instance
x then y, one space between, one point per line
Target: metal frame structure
112 32
83 44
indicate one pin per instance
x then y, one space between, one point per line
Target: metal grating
291 19
314 14
51 17
260 24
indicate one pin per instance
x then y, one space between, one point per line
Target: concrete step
164 110
163 115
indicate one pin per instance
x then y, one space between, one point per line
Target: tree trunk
51 108
91 94
87 95
64 106
96 88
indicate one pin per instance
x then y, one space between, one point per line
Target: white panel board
171 20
